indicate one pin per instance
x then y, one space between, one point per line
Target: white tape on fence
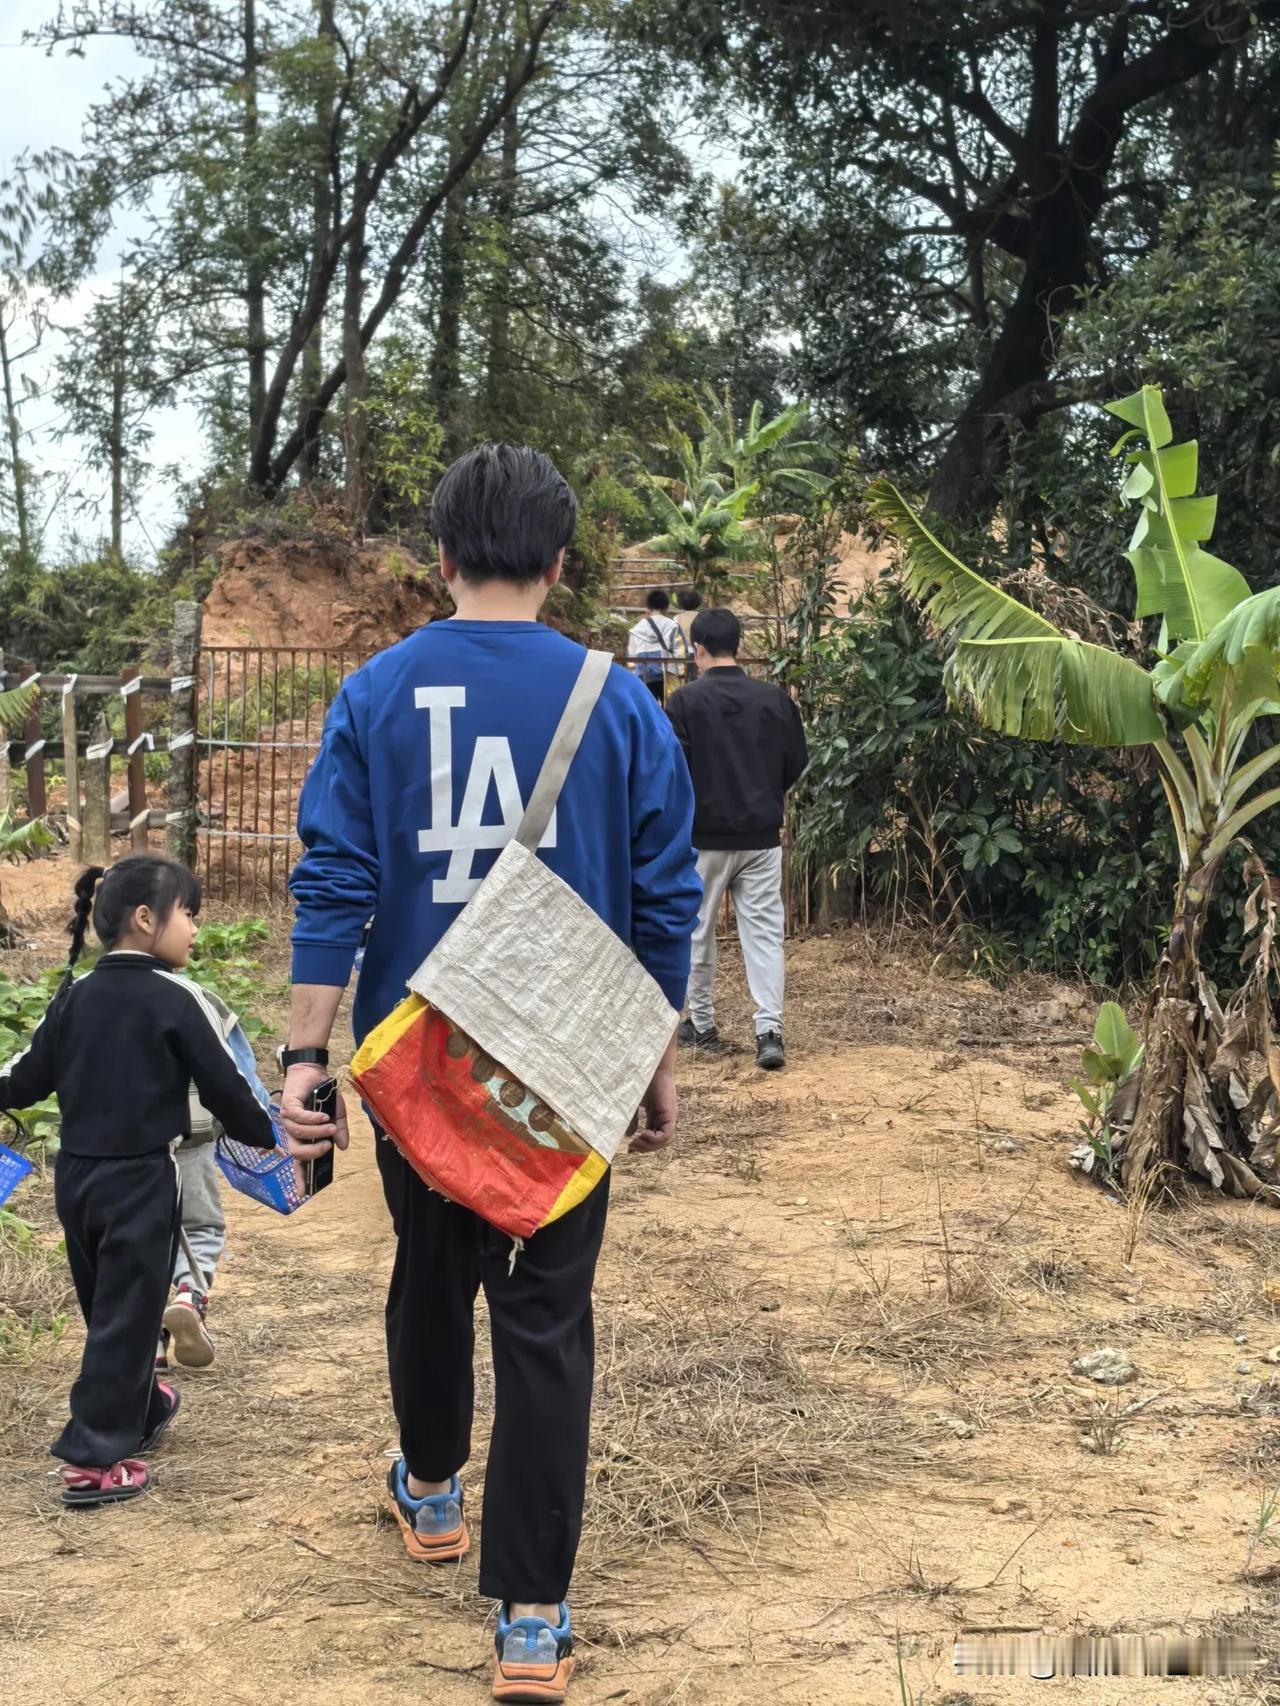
100 750
181 683
179 741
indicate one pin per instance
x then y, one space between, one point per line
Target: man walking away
690 603
745 745
429 756
656 646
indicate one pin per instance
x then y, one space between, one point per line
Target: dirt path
836 1418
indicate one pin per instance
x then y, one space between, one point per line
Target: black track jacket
120 1048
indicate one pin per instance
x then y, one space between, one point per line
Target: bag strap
662 644
564 745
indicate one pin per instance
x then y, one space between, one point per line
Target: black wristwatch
287 1057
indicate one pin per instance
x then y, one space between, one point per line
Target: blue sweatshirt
429 753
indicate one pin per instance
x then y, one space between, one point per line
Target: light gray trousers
202 1217
754 880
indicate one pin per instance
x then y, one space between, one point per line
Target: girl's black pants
543 1342
120 1217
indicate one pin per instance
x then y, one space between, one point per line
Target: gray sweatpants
754 880
202 1217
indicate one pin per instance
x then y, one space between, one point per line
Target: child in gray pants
204 1229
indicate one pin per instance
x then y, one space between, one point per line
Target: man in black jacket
745 745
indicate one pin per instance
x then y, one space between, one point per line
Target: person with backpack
746 749
120 1049
429 759
656 646
690 601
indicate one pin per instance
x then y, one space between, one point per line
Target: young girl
120 1048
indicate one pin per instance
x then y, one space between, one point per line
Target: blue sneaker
433 1528
534 1661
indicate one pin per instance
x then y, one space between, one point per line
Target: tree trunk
355 427
1013 390
16 463
1064 186
498 400
255 288
445 373
311 417
117 458
1175 1038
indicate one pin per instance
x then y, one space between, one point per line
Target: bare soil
836 1419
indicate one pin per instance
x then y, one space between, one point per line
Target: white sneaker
184 1322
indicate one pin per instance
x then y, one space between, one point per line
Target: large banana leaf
1176 579
1245 643
1018 672
1055 688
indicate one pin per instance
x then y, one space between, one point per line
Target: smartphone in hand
318 1172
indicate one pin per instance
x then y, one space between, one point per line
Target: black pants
543 1362
120 1216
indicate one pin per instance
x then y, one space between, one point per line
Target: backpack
650 669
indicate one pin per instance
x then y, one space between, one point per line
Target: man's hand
309 1132
658 1115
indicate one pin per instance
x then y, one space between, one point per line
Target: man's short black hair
718 631
689 599
503 512
657 599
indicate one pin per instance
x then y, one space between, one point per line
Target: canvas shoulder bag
514 1068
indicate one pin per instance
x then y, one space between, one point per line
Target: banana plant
766 454
1204 706
704 529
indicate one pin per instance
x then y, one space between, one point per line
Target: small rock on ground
1107 1365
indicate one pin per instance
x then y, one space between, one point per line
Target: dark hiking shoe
770 1055
706 1042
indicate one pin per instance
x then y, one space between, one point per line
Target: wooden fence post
184 757
37 802
135 743
95 836
4 753
72 757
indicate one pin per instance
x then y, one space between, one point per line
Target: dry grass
709 1419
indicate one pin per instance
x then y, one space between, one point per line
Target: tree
114 372
995 154
25 197
223 136
1204 709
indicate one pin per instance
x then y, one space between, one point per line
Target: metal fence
260 715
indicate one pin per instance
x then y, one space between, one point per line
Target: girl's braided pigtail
86 888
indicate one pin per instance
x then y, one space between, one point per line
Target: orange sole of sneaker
192 1346
534 1686
445 1549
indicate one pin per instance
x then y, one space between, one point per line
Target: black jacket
745 745
120 1048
